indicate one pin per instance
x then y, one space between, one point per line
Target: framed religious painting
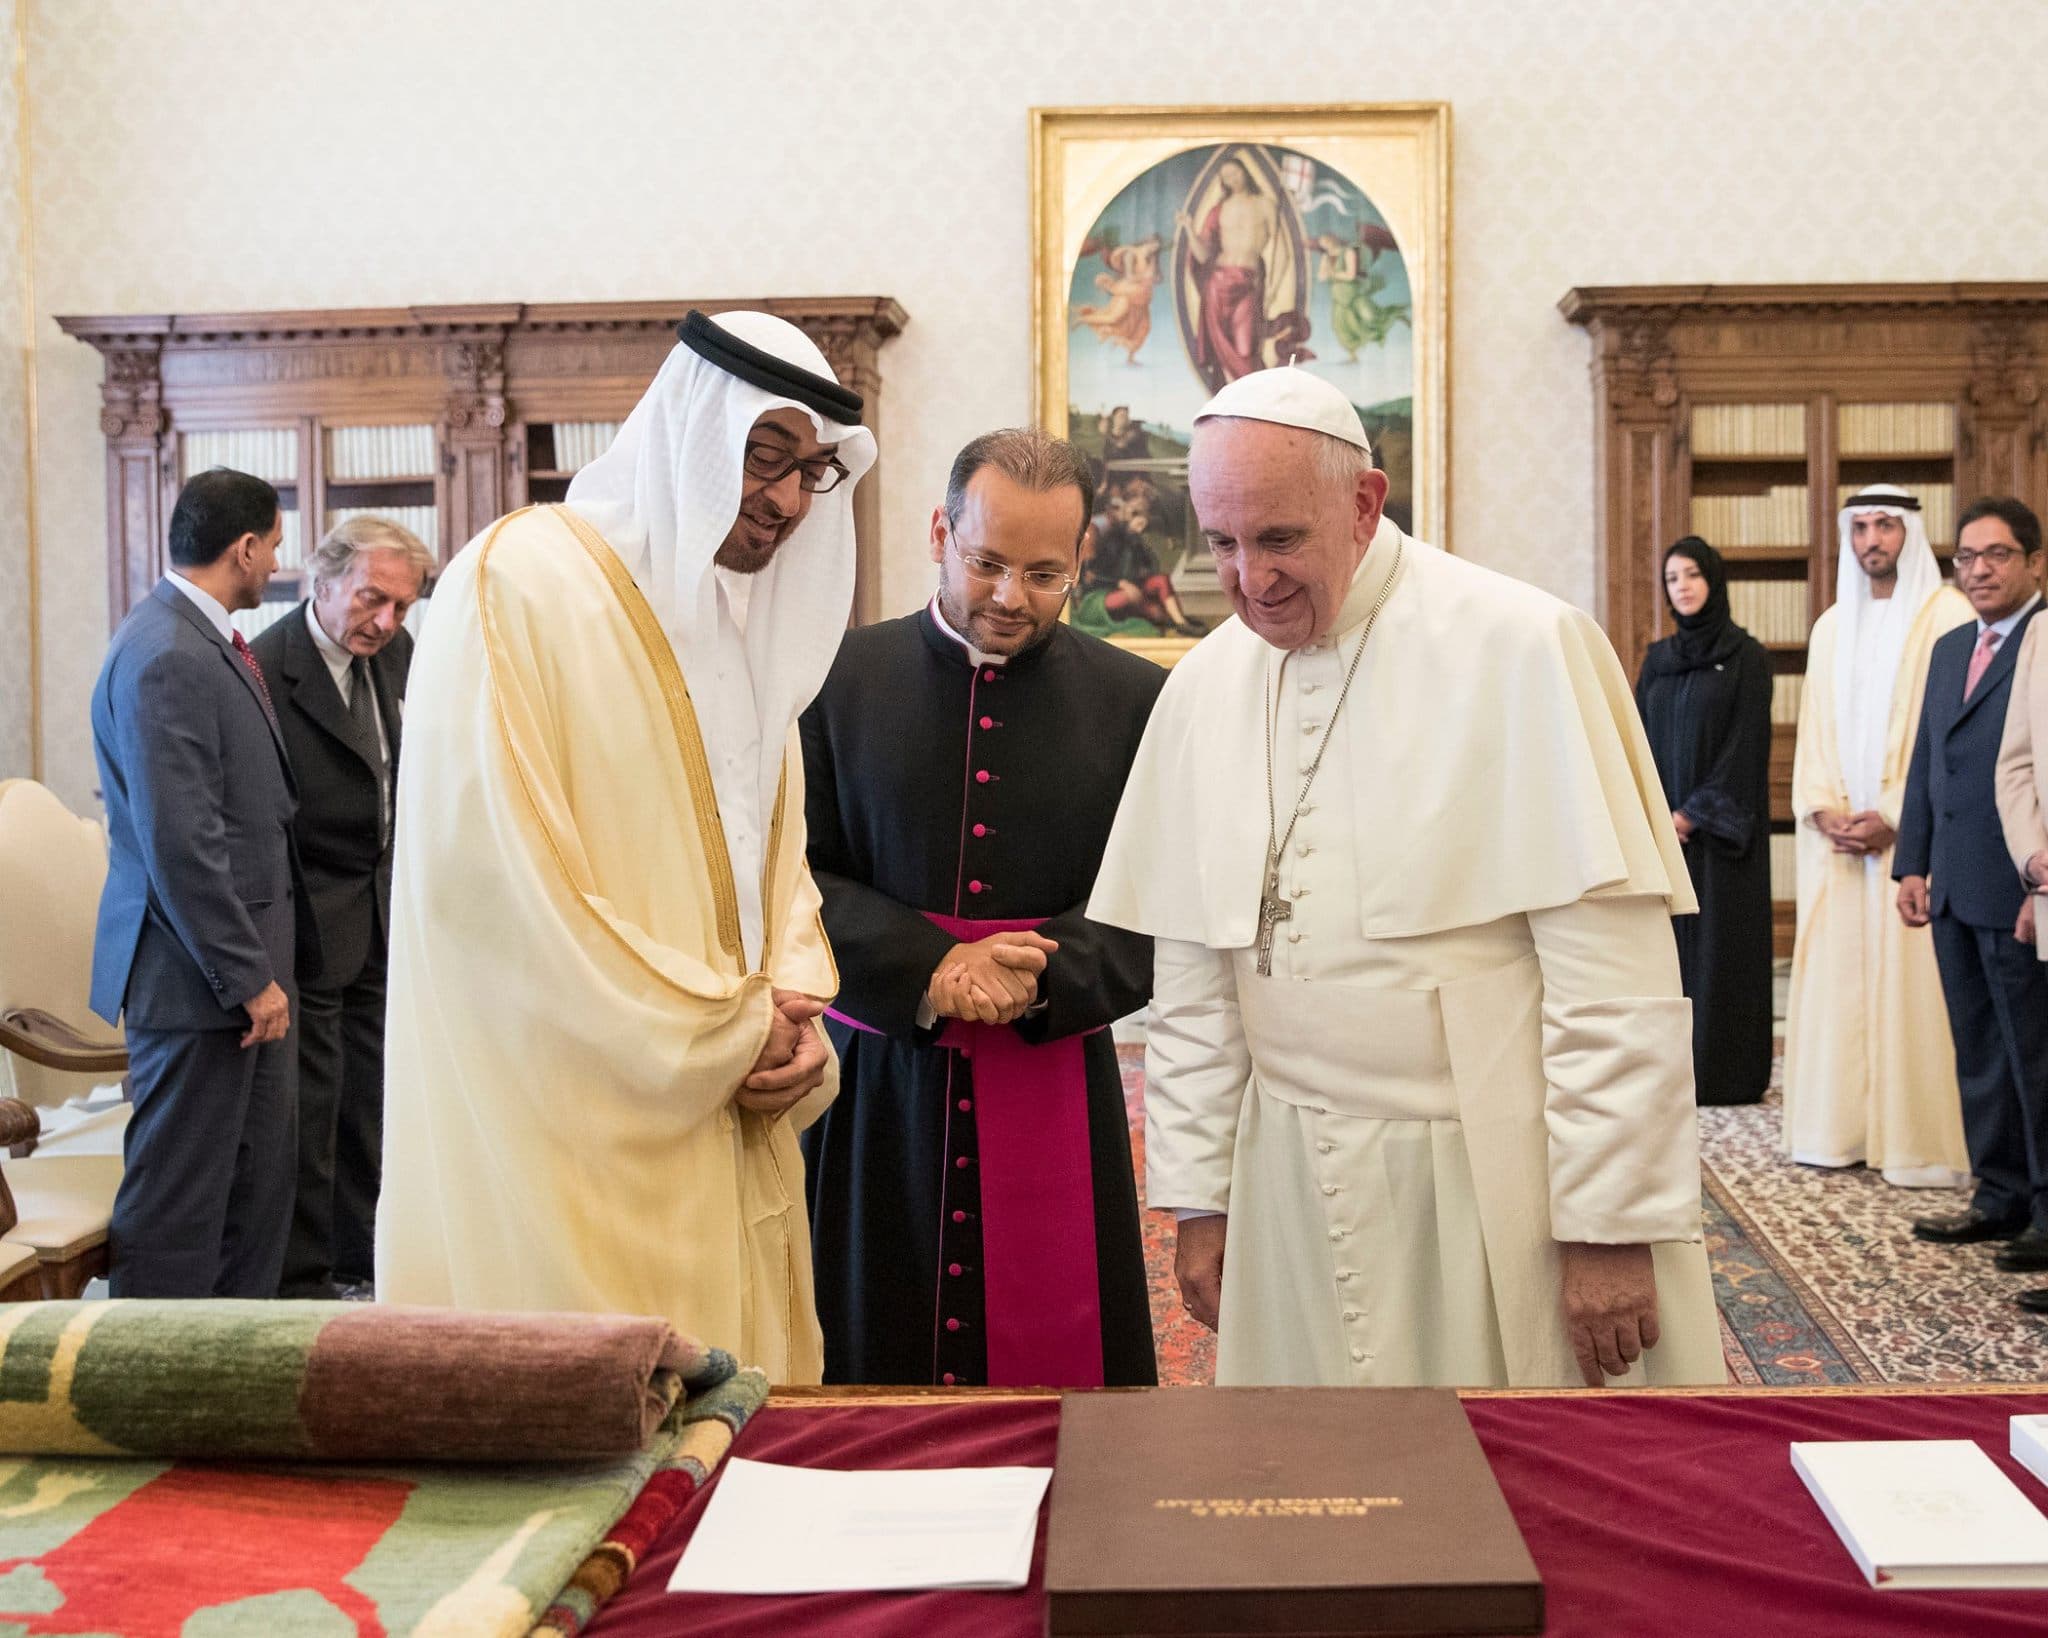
1180 248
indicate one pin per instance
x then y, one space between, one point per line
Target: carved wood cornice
1626 303
869 320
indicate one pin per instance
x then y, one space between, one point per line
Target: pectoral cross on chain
1273 910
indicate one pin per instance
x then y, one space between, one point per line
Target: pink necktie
263 687
1980 661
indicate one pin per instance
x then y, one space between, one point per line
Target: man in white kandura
1417 1055
606 958
1870 1072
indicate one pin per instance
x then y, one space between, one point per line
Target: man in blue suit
199 931
1953 870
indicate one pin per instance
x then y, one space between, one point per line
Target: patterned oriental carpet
1816 1272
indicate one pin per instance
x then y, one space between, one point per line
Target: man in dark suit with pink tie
1954 872
200 942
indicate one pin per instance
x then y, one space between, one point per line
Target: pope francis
606 958
1418 1068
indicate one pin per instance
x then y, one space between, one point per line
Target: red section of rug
1645 1514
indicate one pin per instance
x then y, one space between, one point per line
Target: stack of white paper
1926 1512
774 1529
2028 1444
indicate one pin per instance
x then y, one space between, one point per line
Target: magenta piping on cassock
1041 1301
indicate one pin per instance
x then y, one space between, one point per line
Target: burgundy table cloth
1648 1514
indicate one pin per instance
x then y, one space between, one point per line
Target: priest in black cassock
1705 696
974 1216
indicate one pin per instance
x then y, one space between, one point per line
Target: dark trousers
341 1132
206 1191
1997 995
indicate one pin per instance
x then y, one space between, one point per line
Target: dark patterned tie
256 671
362 716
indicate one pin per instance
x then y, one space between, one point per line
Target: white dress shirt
207 604
2004 627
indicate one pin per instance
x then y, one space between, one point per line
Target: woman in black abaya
1705 698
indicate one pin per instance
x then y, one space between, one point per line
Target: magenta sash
1039 1283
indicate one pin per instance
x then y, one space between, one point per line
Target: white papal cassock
1472 1045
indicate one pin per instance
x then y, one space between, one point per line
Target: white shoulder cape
1502 768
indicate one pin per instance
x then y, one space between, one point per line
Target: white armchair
55 1208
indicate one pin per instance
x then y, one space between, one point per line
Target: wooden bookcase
1744 413
446 416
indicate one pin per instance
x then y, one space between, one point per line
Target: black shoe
2025 1254
1966 1228
2034 1301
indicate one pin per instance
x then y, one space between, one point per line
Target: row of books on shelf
424 521
1771 611
252 622
379 452
578 443
1885 429
271 453
1863 431
1937 507
1785 689
291 550
1749 429
1784 855
1776 517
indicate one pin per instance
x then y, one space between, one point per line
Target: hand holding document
863 1531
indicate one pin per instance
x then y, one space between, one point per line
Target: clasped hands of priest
793 1059
991 981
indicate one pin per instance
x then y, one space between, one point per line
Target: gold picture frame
1151 287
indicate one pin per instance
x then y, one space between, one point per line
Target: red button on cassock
959 1217
974 887
952 1325
947 1379
981 776
966 1103
981 830
953 1269
960 1165
988 722
988 673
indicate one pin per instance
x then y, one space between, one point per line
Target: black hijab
1710 637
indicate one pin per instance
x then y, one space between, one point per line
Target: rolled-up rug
281 1465
337 1381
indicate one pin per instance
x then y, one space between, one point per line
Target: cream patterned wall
17 757
198 154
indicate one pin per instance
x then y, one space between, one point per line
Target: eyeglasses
986 571
1996 557
771 464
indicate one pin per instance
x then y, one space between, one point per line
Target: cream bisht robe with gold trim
1870 1070
570 1011
1473 1044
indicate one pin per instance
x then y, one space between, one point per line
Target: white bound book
1926 1512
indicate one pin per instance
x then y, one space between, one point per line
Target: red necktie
1980 661
256 671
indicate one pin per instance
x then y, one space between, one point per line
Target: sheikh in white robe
571 1005
1870 1072
1473 1044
